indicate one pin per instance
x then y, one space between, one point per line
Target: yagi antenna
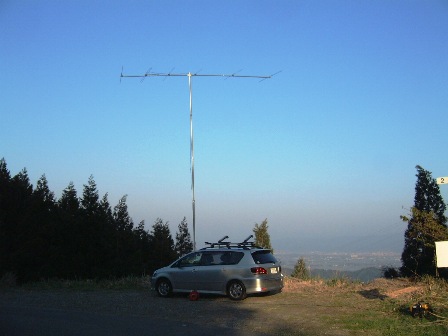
143 78
190 75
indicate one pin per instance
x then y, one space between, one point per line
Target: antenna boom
190 75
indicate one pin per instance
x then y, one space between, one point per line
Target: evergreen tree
426 225
5 192
44 194
71 236
300 270
46 243
142 250
122 219
162 245
140 232
125 248
69 202
22 192
91 224
107 239
106 210
5 176
184 244
7 224
90 198
21 218
423 231
262 237
427 195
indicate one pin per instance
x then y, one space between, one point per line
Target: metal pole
189 75
192 160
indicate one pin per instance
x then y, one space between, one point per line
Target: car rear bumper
260 285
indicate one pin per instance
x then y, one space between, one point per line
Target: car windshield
264 257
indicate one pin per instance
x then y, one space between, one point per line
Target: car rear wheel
236 290
164 288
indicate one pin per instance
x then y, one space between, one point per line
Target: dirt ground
303 308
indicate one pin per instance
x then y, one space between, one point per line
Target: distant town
340 261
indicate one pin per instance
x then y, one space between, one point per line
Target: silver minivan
222 268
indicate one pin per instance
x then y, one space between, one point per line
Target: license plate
273 270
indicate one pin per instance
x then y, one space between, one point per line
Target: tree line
83 237
77 237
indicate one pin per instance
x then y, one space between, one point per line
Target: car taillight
258 270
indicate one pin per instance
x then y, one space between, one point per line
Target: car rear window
264 257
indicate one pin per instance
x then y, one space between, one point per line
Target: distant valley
357 266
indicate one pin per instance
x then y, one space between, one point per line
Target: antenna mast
190 75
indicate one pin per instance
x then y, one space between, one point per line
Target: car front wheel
236 290
164 288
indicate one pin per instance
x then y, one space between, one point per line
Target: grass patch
390 315
381 307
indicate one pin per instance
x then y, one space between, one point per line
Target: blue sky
325 150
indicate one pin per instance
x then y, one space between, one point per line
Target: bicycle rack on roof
245 244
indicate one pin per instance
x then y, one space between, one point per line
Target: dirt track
266 315
304 308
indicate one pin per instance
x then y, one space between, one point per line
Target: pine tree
44 193
427 195
419 253
426 225
69 218
22 189
21 217
106 211
90 198
90 250
46 242
5 175
143 249
184 244
7 225
162 244
262 237
300 270
122 219
69 202
5 191
124 239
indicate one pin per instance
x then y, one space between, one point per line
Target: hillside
380 307
364 275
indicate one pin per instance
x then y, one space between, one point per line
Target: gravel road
101 312
140 312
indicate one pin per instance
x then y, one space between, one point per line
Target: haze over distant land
348 244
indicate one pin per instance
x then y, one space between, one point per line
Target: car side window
208 259
211 258
192 259
230 257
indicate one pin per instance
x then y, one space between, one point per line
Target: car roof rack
245 244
